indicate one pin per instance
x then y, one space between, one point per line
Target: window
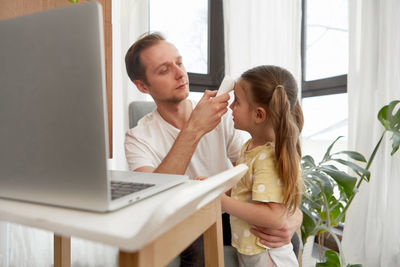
196 28
324 74
324 47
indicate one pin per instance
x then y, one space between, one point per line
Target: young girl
265 106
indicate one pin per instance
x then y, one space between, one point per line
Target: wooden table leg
213 241
144 257
161 251
62 251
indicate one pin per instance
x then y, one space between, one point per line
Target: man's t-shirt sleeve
137 152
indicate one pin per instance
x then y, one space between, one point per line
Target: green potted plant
329 190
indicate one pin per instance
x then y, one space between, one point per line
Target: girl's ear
261 115
141 86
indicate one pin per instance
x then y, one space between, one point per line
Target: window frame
326 86
216 53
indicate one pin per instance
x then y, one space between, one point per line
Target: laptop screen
53 134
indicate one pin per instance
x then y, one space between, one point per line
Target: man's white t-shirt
149 142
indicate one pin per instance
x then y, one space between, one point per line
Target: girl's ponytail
297 114
286 124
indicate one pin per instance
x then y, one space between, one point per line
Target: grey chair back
137 109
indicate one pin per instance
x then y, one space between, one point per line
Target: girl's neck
261 136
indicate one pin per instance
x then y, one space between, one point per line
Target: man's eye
164 70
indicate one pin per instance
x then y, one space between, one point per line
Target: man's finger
270 232
200 178
272 235
209 93
223 98
269 240
272 244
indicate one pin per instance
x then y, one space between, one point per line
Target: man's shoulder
147 123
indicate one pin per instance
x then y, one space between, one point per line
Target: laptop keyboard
120 189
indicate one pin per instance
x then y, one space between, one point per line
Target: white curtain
372 232
24 246
262 32
130 20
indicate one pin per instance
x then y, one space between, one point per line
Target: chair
137 109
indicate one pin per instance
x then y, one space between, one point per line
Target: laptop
53 114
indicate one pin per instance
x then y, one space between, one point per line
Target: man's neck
176 114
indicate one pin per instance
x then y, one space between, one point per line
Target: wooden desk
149 233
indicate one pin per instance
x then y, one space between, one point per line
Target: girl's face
242 110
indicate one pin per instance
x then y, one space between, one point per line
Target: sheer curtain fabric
372 233
262 32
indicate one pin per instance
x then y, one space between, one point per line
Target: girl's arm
272 215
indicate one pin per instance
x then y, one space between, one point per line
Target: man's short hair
134 66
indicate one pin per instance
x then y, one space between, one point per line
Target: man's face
167 79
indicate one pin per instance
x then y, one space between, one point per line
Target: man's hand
208 112
274 238
200 178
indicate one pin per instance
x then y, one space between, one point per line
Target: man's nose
179 72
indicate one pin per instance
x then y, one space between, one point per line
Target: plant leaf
396 142
343 179
313 205
308 161
359 170
324 181
332 259
313 190
383 116
73 1
394 125
394 119
391 122
352 154
308 225
328 151
335 212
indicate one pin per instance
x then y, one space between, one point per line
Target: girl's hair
275 89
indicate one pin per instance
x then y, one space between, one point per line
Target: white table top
129 228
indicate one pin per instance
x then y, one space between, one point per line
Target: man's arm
274 238
204 118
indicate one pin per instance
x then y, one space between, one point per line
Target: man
181 137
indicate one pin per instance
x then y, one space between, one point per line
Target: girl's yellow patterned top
261 183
